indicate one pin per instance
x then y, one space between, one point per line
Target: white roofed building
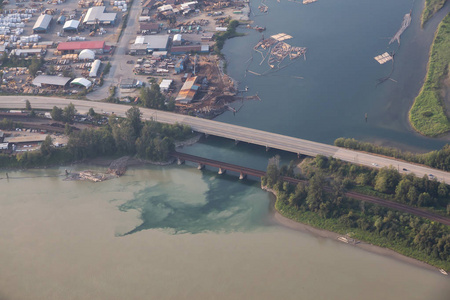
82 82
86 54
47 80
97 15
94 68
71 25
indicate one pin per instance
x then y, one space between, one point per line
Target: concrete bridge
244 171
234 132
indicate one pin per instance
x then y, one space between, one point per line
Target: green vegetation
8 124
221 37
332 210
439 159
431 7
63 115
427 115
128 136
107 68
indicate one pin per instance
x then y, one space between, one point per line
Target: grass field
427 115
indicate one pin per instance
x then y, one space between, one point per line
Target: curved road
234 132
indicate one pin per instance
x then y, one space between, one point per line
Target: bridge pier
267 148
242 176
180 161
222 171
236 142
200 166
206 135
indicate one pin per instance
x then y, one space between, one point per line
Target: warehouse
86 54
165 84
154 43
97 15
149 28
27 52
190 48
94 68
81 82
71 25
42 23
76 47
47 80
188 91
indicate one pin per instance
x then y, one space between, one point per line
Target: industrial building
149 28
154 42
138 49
165 85
86 54
27 52
94 68
190 48
97 15
130 83
75 47
50 81
81 82
42 24
177 39
188 91
71 25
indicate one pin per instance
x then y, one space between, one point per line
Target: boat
443 271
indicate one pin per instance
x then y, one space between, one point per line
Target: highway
234 132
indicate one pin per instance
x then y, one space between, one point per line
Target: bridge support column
180 161
200 166
242 176
267 148
236 142
206 135
222 171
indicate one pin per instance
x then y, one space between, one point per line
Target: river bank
278 218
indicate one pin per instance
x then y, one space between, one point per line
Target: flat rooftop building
97 15
154 42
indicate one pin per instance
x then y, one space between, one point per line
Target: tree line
439 159
121 136
311 203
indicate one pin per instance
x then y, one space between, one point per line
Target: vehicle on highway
374 164
405 169
431 176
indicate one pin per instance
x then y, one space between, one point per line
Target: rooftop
81 45
97 13
51 80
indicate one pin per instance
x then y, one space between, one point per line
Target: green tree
27 105
35 65
46 146
69 112
134 117
57 113
387 180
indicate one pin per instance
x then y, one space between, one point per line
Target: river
178 233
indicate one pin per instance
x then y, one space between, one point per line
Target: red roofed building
75 47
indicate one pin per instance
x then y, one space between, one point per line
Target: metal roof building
82 81
154 42
42 23
96 46
71 25
97 14
94 68
188 91
46 80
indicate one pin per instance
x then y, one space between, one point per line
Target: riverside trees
331 210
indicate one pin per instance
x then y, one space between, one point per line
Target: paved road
238 133
119 68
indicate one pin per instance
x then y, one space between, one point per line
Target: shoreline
277 218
